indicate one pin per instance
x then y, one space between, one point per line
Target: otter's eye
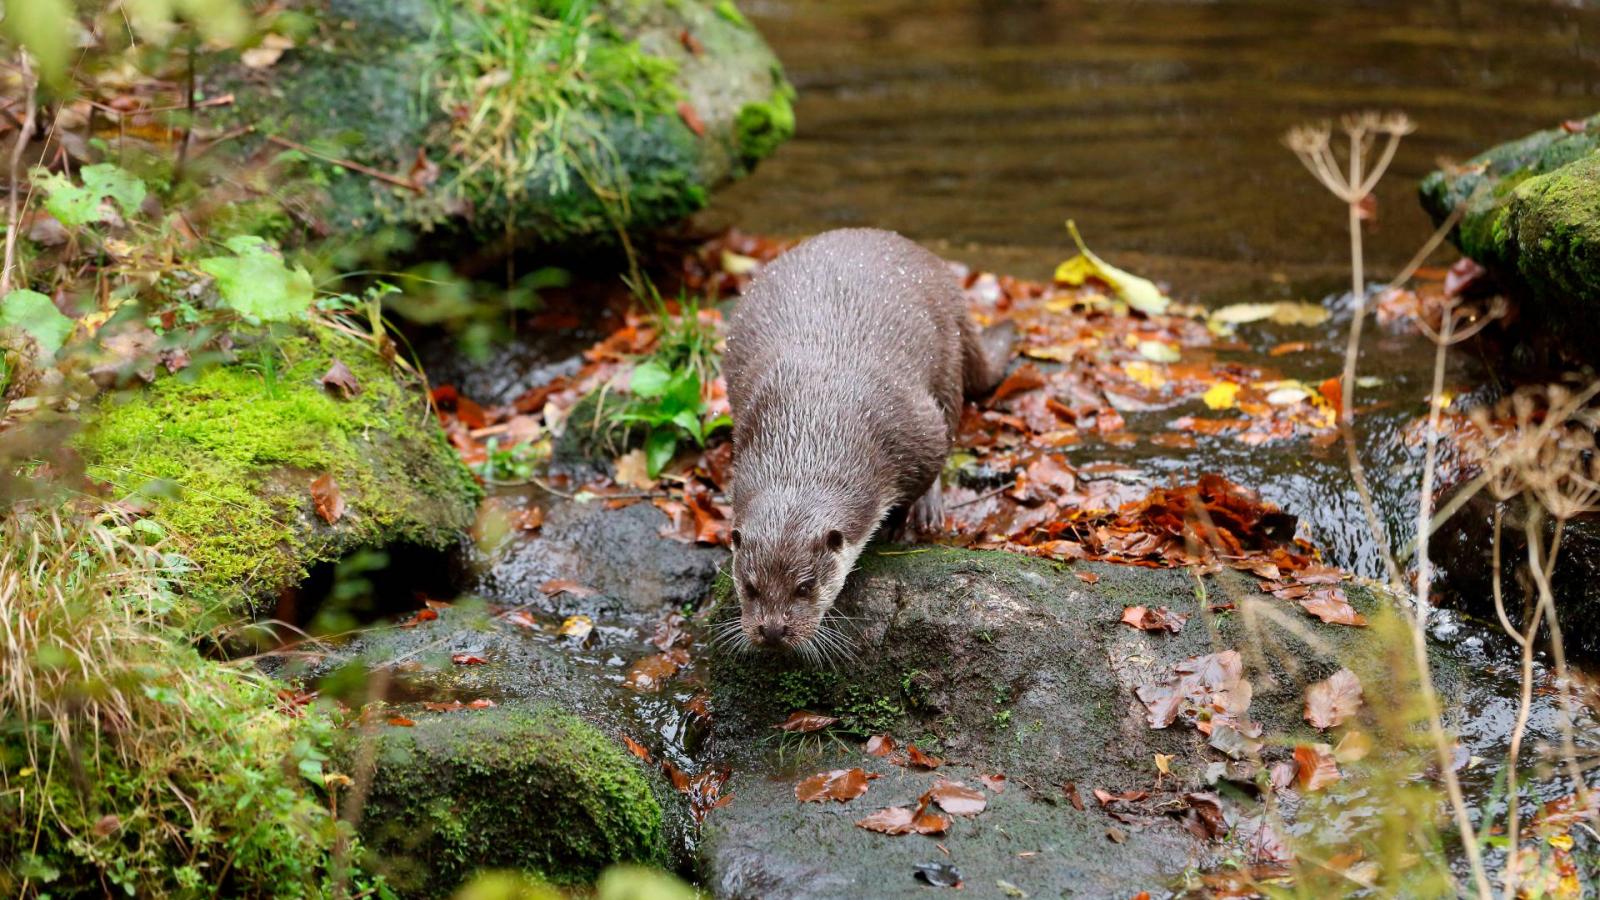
750 591
805 589
737 538
835 540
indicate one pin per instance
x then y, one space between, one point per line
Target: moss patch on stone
228 453
531 788
763 126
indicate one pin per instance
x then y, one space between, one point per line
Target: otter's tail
984 356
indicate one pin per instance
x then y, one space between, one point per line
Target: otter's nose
772 630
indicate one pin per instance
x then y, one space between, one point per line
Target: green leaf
689 421
256 284
659 448
1137 292
650 380
33 312
684 391
722 421
73 206
122 186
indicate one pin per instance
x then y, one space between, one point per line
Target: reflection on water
977 125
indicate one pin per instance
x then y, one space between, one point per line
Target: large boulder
225 457
559 121
1532 216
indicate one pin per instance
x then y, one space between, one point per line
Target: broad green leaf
73 206
659 448
1137 292
684 391
689 421
650 380
33 312
256 284
122 186
722 421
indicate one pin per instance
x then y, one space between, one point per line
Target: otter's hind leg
984 356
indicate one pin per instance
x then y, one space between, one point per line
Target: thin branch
14 209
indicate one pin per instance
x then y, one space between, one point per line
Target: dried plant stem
14 208
1541 570
1419 612
1511 877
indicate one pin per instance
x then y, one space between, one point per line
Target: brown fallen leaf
340 380
1026 378
892 820
452 706
1160 619
422 615
566 586
481 703
1329 605
917 758
1333 700
691 118
1088 577
1107 798
697 707
467 659
1317 767
802 722
880 745
1071 790
400 722
929 822
650 672
956 798
691 43
842 785
995 782
524 619
326 499
637 749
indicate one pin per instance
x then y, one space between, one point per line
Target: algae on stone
226 455
532 788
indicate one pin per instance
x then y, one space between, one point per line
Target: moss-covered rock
531 788
557 120
226 456
1532 216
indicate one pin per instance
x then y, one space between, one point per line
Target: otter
847 360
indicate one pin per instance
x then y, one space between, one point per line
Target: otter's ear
738 539
835 540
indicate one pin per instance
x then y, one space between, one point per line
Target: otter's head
787 579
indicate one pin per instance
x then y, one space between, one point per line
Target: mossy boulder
555 121
529 787
1532 216
1001 663
225 456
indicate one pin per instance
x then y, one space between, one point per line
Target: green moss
727 10
532 789
239 445
761 127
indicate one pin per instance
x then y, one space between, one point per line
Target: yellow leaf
1145 374
1220 395
1285 312
1561 841
577 627
1164 763
1158 351
1139 293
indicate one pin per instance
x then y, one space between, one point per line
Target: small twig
188 125
208 103
984 496
368 171
14 210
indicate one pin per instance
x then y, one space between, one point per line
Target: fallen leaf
421 615
1284 312
1317 767
1160 619
1220 395
995 782
523 618
650 672
424 171
566 586
1107 798
1333 700
633 470
326 499
1026 377
839 784
917 758
400 722
576 627
1288 347
880 745
467 659
267 53
1071 790
1159 351
1164 763
529 518
956 798
802 722
1331 606
341 380
481 703
452 706
1353 747
1087 577
691 118
690 43
891 820
929 822
1139 293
